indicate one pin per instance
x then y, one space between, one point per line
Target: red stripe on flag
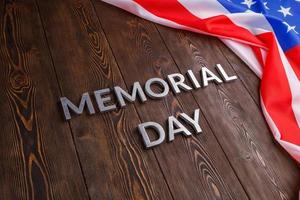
220 26
276 93
257 52
275 88
293 56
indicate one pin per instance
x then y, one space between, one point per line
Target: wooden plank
248 78
115 164
196 167
264 169
251 82
38 158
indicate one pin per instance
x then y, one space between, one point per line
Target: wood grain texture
37 161
241 128
50 49
114 162
205 173
250 81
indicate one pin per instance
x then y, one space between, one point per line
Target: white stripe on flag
292 149
204 8
294 84
256 23
246 54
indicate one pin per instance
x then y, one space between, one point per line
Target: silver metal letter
224 75
160 82
155 126
102 100
121 94
208 75
193 122
180 128
178 83
193 79
85 100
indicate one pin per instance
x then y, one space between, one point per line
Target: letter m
67 105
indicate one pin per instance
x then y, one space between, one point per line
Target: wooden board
38 156
58 48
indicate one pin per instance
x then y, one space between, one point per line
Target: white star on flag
289 28
285 11
266 7
248 3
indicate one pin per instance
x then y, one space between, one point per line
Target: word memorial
177 82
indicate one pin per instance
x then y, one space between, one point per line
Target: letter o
160 82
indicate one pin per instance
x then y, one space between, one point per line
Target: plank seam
135 109
61 93
203 114
243 83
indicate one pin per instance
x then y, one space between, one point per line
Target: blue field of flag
283 16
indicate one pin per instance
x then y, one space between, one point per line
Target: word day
177 82
174 127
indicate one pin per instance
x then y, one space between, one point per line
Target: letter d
156 127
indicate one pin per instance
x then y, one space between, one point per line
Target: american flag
263 33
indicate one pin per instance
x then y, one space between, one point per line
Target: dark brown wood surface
60 48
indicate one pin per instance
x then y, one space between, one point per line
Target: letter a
172 121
